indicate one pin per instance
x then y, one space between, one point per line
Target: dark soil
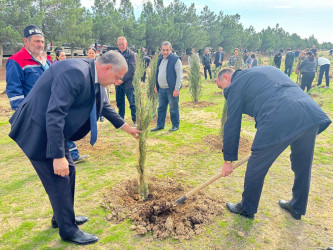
215 142
158 215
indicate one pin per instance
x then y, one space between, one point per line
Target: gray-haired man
169 75
65 103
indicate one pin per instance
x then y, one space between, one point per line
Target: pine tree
194 77
144 115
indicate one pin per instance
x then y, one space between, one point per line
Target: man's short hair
225 71
114 58
253 56
236 49
166 43
121 38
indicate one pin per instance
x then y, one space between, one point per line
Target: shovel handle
216 177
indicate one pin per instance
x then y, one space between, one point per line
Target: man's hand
155 89
60 166
117 83
175 93
227 169
131 130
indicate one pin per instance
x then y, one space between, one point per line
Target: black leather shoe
82 238
173 129
79 220
286 205
237 209
156 129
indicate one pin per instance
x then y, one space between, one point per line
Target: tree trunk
142 184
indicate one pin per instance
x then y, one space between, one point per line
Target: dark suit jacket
58 107
217 57
130 58
281 109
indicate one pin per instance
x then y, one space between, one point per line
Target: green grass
25 211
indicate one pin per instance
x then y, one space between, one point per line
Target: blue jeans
165 97
121 91
72 149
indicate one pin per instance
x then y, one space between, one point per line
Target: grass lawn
185 156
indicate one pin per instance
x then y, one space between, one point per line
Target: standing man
65 103
324 65
169 75
284 116
314 50
219 55
289 61
233 59
206 62
125 86
25 67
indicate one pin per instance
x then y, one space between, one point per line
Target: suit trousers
61 193
302 148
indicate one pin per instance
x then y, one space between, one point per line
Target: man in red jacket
25 67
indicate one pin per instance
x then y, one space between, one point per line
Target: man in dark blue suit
284 116
65 103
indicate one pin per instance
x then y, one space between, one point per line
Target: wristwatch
228 161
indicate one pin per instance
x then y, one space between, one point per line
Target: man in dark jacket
219 55
125 86
284 116
289 61
65 103
169 75
206 62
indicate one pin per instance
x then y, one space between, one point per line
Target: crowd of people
57 103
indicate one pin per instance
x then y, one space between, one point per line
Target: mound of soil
158 215
199 104
215 142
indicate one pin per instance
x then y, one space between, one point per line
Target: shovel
203 185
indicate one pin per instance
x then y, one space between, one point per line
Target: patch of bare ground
199 104
158 215
215 142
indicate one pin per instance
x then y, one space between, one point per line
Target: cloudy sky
304 17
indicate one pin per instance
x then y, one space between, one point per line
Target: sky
304 17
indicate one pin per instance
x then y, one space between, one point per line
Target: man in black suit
65 103
219 55
284 116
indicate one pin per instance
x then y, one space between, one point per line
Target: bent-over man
284 116
65 103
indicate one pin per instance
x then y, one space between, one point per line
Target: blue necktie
93 125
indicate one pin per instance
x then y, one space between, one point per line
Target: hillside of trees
66 21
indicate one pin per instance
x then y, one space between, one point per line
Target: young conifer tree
238 65
195 79
144 115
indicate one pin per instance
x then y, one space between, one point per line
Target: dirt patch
215 142
218 93
158 215
199 104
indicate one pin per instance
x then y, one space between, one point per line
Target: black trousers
207 68
324 69
302 148
307 79
61 193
